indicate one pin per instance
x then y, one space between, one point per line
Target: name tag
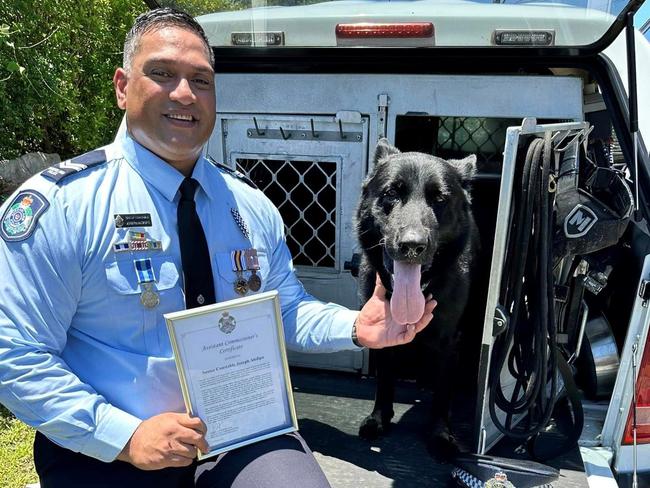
132 220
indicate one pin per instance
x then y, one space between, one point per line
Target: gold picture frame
233 370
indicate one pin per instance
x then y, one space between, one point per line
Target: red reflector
642 403
384 31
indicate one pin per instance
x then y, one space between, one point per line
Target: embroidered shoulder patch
20 217
59 171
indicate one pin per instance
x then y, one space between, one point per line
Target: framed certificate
233 370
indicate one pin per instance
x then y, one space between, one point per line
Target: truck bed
330 407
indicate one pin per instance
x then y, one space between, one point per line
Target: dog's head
413 207
414 203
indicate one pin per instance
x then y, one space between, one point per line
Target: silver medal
149 298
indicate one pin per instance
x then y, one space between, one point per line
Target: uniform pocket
127 305
122 277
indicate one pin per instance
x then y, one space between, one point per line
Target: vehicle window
419 23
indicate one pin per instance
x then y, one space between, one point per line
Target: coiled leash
528 291
534 360
560 212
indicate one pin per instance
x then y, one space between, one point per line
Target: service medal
241 285
254 282
146 277
149 298
253 265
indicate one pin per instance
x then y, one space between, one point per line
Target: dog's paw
442 446
373 427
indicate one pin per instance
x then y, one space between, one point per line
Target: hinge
383 100
644 290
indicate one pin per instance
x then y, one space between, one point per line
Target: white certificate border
173 322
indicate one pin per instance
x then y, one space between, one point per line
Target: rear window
421 23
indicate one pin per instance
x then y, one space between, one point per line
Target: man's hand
168 439
376 327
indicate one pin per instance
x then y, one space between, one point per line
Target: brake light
396 30
642 403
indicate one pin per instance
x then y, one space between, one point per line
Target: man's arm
40 288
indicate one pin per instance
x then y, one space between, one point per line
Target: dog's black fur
416 207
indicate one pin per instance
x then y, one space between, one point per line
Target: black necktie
197 270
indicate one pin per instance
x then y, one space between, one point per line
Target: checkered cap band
463 478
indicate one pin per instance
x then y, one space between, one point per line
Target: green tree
200 7
57 59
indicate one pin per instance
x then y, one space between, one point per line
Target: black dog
416 229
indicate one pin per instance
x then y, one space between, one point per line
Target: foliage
5 191
57 59
200 7
16 441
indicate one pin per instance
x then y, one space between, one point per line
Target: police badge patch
20 217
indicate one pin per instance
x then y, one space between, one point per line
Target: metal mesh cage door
305 193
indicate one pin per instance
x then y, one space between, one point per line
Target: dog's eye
437 198
391 193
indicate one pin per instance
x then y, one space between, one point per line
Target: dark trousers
278 462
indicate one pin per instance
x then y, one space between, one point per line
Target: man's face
169 95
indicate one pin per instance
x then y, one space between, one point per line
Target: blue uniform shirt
81 358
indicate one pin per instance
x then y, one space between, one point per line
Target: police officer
91 257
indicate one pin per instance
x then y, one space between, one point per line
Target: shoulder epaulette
237 174
62 170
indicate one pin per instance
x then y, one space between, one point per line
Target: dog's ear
466 167
384 149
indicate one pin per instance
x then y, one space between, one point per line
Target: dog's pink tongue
407 302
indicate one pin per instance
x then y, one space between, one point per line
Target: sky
642 14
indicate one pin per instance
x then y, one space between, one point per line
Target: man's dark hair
158 19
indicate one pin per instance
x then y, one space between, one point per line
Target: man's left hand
376 327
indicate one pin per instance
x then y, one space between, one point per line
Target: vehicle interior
562 291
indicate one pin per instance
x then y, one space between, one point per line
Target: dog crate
307 141
311 167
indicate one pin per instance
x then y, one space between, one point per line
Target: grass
16 463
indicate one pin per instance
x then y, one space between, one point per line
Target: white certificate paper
233 370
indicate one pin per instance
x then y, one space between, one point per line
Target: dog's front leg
441 443
378 422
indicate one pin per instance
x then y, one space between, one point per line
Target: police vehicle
304 91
